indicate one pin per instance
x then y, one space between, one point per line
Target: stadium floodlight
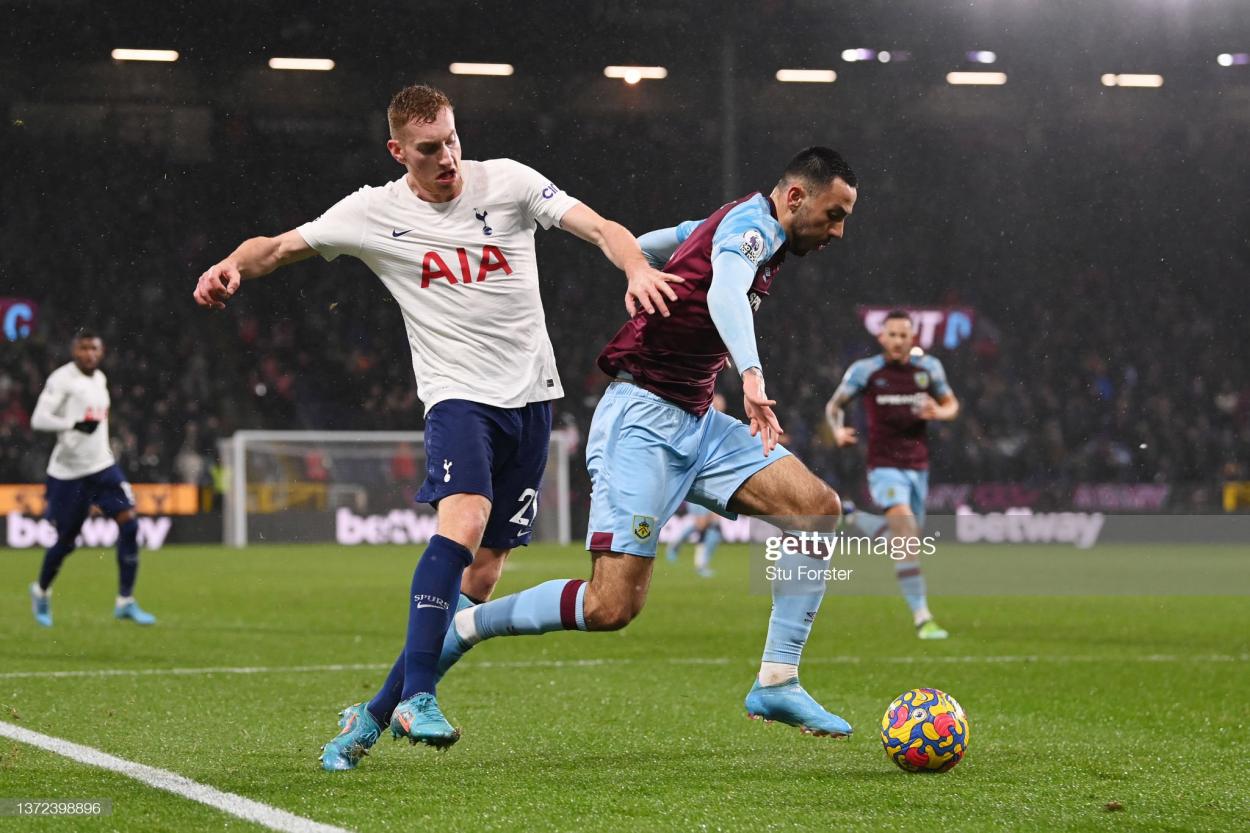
467 68
981 56
807 76
306 64
984 79
884 57
853 55
632 74
162 55
1232 59
1129 79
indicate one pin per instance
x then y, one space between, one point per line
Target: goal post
355 487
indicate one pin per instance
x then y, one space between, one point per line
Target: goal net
354 488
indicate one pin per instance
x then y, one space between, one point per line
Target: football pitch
1087 713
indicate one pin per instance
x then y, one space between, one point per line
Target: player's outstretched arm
648 287
256 257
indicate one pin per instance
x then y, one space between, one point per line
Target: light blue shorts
645 456
890 487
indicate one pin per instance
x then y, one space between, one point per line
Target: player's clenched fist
217 285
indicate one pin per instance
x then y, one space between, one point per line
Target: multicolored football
925 730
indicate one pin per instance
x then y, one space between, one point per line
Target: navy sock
431 604
127 556
52 559
389 695
392 691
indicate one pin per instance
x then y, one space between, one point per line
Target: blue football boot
40 605
359 732
788 703
131 610
421 721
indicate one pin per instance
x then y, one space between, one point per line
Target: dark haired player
656 441
903 388
82 473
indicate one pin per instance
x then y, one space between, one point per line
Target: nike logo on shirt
400 233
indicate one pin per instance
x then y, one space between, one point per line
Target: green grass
1074 701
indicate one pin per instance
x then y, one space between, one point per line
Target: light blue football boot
359 733
788 703
40 605
421 721
131 610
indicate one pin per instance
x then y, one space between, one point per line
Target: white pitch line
594 663
163 779
192 672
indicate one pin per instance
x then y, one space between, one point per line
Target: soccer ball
925 730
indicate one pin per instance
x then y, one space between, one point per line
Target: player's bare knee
831 503
462 518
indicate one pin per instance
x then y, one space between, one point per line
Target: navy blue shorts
500 453
69 501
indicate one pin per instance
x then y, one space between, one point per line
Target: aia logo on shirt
434 266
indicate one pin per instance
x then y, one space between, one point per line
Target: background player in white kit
453 241
82 473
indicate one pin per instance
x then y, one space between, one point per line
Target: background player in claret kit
82 473
453 241
903 389
656 441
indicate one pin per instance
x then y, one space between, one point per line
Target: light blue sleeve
686 229
659 245
750 232
732 276
855 379
937 376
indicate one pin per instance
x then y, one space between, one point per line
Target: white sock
466 627
700 557
776 673
39 592
921 614
124 600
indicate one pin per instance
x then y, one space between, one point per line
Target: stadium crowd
1104 348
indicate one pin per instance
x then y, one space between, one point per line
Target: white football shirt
465 275
71 396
